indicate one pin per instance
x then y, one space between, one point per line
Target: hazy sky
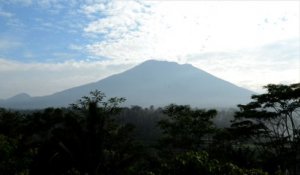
50 45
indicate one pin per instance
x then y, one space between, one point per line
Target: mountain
19 97
157 83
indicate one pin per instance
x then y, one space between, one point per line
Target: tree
14 155
184 128
88 140
272 122
199 162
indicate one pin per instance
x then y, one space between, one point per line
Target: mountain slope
151 83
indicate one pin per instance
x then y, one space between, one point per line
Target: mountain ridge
152 82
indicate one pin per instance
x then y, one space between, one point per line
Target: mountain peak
152 82
156 67
160 62
156 63
20 96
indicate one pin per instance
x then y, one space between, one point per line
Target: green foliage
185 127
183 143
271 123
199 162
7 149
15 156
111 106
231 169
85 139
92 137
226 148
145 122
194 163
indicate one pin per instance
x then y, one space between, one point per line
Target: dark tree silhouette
272 122
185 127
14 155
88 141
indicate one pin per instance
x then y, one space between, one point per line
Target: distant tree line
95 136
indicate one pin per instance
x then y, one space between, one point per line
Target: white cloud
92 9
8 43
23 2
254 68
175 29
10 18
47 3
117 19
5 14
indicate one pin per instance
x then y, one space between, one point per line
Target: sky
50 45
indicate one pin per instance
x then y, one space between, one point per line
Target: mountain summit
157 83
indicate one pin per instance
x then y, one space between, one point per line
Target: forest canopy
96 136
